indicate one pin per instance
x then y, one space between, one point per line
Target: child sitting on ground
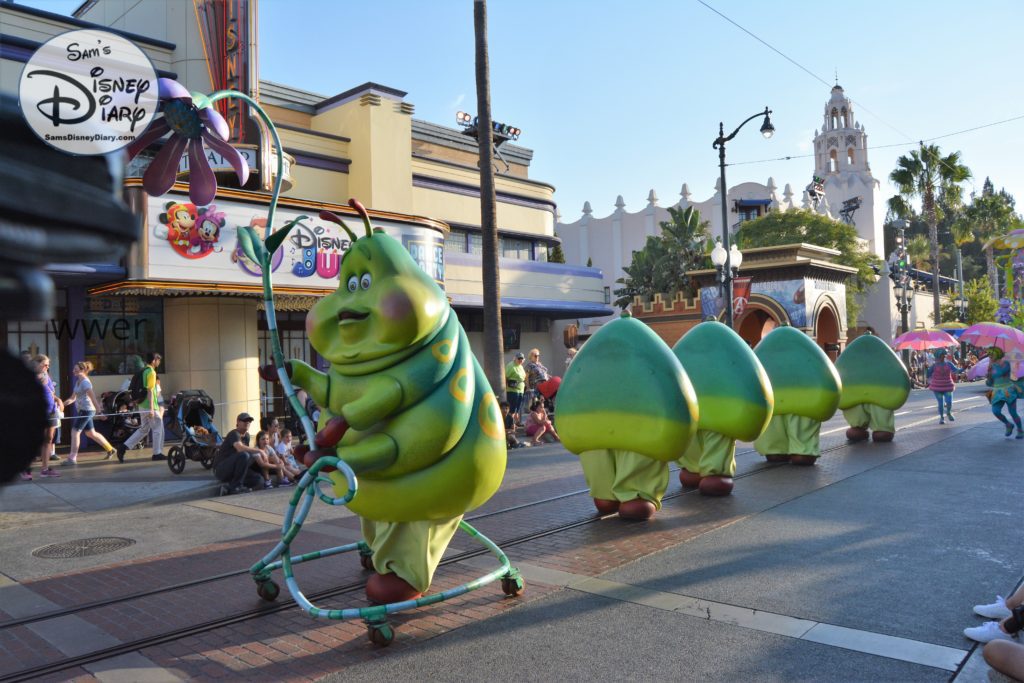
267 462
538 424
510 427
287 456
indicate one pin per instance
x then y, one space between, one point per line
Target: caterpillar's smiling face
384 304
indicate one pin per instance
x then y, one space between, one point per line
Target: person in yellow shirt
149 413
515 383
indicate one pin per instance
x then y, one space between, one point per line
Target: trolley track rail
350 587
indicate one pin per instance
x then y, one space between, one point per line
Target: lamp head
735 257
767 129
718 255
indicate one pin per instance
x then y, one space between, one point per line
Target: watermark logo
88 92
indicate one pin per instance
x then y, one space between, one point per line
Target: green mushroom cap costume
424 431
627 408
734 397
875 385
807 389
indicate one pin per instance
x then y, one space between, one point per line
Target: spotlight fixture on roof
501 132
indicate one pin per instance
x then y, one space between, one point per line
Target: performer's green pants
792 435
870 416
624 475
412 550
710 453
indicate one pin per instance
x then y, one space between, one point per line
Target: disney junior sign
88 92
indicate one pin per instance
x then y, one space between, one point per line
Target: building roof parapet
425 131
74 22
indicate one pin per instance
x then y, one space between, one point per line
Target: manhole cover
84 547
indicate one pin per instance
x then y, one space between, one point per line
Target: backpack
136 389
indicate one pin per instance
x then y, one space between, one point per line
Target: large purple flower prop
190 126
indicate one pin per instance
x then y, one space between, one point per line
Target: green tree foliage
556 255
792 227
981 303
934 179
990 215
662 265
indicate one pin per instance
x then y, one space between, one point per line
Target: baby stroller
193 414
122 419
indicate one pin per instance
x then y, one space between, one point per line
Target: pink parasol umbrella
980 369
984 335
922 340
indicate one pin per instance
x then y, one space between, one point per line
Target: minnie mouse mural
192 232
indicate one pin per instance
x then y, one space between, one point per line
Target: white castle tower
841 159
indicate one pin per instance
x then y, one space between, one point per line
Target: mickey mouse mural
193 232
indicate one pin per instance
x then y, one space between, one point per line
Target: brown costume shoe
715 485
638 508
804 460
882 437
857 434
777 457
606 507
383 589
689 480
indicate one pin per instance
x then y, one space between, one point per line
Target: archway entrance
755 325
827 332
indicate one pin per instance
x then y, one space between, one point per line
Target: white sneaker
997 610
987 632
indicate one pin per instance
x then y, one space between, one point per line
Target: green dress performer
875 385
627 408
807 389
734 398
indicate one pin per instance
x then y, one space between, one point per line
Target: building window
512 247
607 295
541 251
119 331
455 242
748 213
476 243
295 344
849 156
833 162
835 119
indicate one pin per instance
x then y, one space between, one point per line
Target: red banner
740 295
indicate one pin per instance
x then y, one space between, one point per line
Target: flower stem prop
193 121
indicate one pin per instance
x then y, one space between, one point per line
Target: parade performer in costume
1005 391
734 399
942 382
405 405
627 409
807 389
875 385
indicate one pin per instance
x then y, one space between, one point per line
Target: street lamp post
727 263
727 271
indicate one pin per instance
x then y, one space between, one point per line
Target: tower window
835 118
846 120
849 156
833 162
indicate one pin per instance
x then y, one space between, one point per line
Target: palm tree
990 215
491 278
919 250
926 175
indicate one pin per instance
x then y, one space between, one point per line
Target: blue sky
621 98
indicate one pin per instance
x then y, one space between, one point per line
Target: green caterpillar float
627 409
405 404
875 385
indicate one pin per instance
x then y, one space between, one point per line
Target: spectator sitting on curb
232 463
286 454
1000 610
510 426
